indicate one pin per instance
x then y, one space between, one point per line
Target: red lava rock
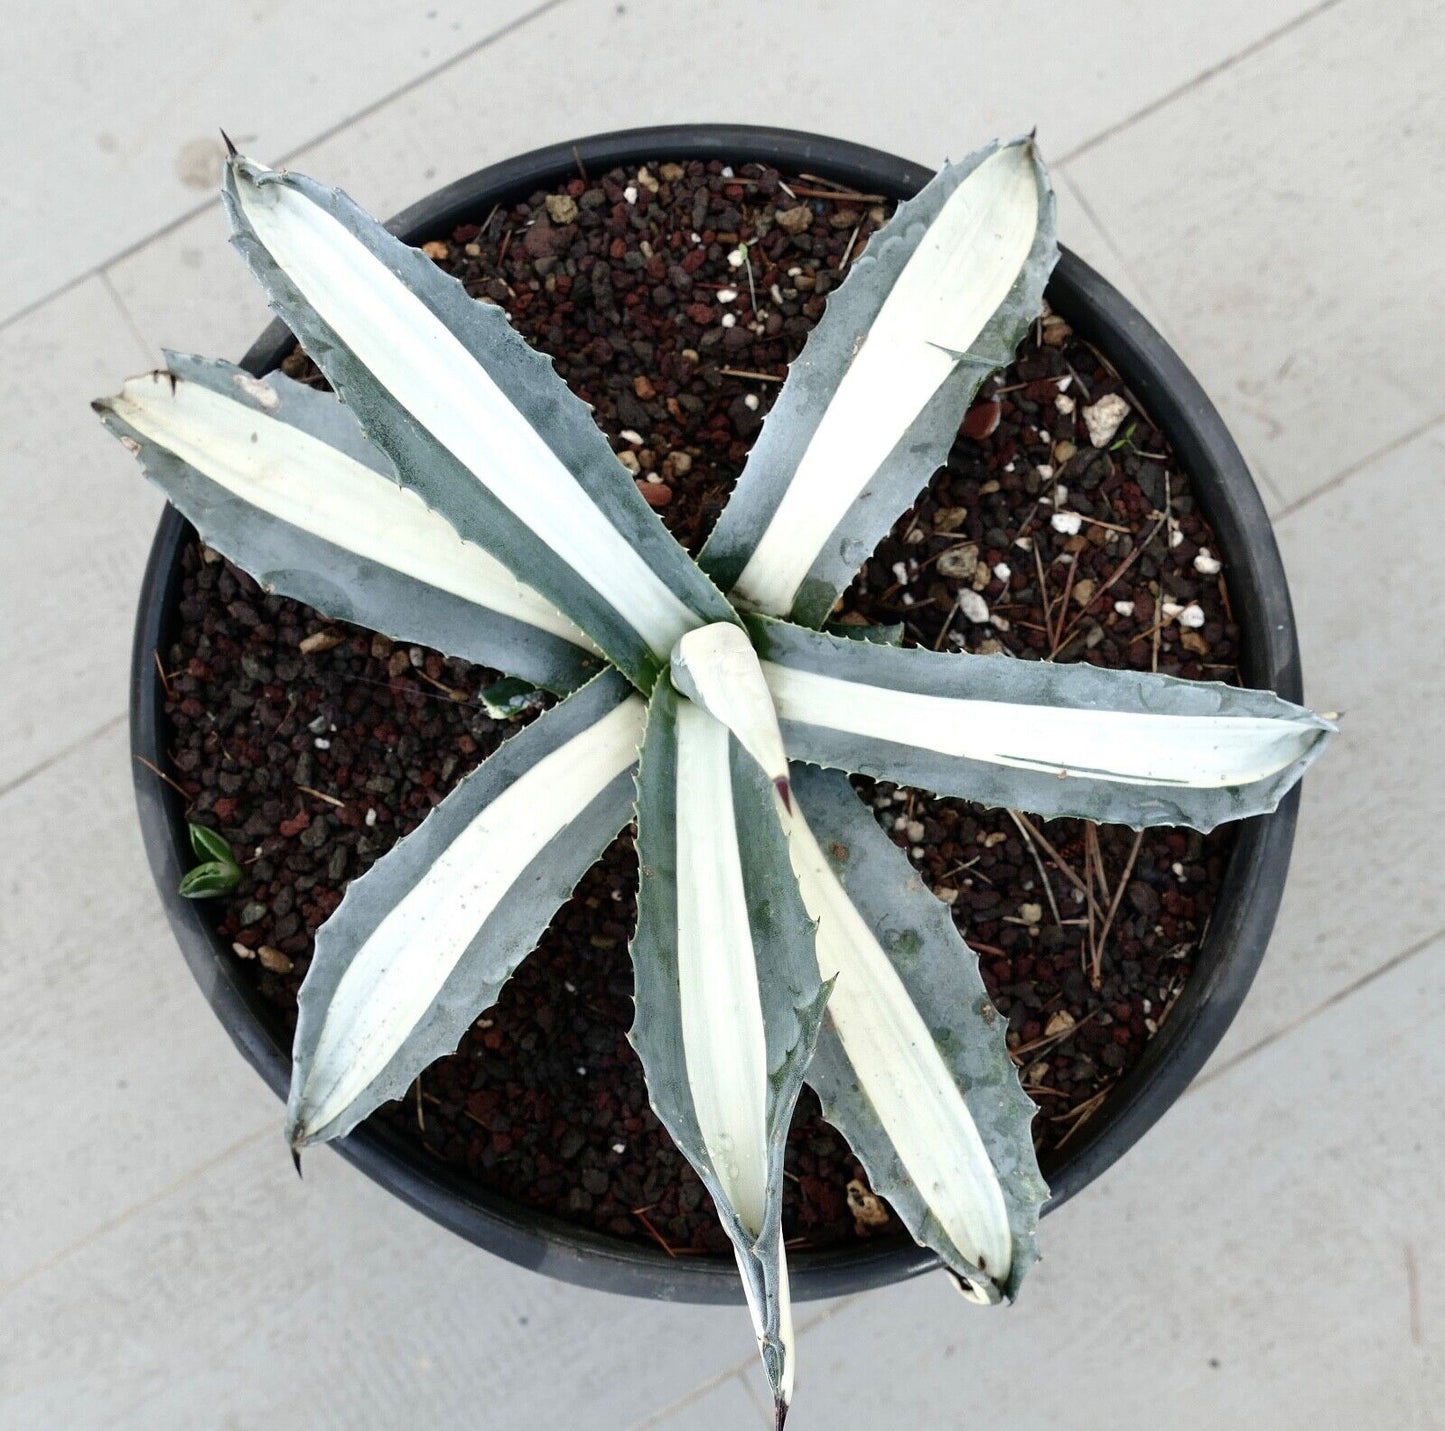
540 239
982 420
656 494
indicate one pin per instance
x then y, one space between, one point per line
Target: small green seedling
218 874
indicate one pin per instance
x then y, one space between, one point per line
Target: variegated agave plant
458 495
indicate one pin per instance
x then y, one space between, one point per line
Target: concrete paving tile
1282 215
247 1299
77 526
122 104
728 1406
119 1080
1268 1256
592 66
1364 883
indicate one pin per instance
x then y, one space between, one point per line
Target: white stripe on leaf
717 668
729 1004
960 273
722 1017
1129 747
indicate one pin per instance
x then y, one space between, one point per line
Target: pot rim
1254 881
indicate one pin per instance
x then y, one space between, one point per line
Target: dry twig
1095 975
744 373
322 795
1023 829
155 770
161 672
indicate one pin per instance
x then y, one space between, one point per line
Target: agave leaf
424 941
1125 747
717 668
474 420
279 478
939 299
912 1066
727 989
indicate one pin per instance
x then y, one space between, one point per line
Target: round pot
1243 917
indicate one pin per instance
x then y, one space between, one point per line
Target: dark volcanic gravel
673 298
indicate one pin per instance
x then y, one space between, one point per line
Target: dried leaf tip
780 1414
296 1158
978 1295
231 151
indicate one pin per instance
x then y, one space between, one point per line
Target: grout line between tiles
749 1385
1062 176
1331 484
655 1418
1338 997
126 316
739 1368
706 1388
1262 477
172 225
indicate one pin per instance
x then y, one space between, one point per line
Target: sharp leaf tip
780 1414
231 151
296 1159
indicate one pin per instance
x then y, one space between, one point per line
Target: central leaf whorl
716 668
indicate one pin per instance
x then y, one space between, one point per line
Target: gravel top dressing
672 298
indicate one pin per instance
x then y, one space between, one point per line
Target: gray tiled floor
1264 177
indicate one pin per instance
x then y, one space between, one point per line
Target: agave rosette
454 493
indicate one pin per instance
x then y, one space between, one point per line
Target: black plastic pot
1243 917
